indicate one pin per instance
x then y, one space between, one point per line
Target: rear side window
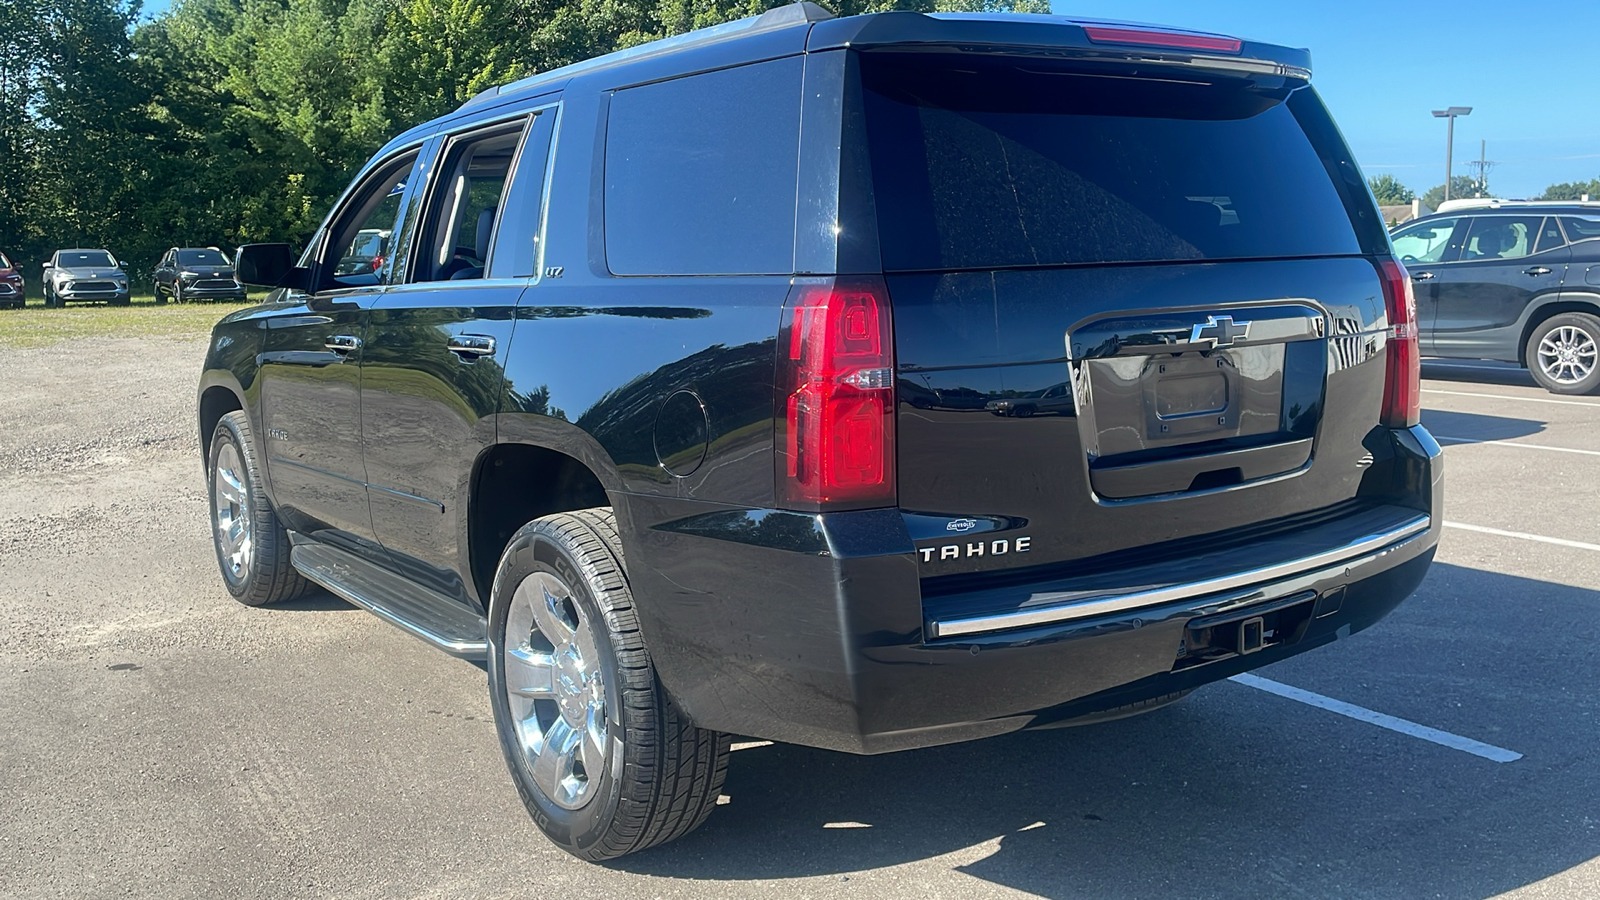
981 164
1550 236
700 173
1500 237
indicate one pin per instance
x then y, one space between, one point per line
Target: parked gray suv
1518 282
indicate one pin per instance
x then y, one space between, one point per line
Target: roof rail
772 19
1498 203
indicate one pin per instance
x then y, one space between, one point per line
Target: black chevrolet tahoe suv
865 383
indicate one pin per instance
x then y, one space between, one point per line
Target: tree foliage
1389 191
1572 190
1461 187
222 122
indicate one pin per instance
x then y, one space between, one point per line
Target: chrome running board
1042 612
429 615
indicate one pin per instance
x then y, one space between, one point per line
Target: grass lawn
36 326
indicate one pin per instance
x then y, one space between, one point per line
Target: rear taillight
1402 387
836 395
1178 40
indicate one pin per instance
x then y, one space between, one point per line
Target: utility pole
1450 138
1483 166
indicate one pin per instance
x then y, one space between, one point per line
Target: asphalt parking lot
158 740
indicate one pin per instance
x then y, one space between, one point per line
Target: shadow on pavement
317 599
1479 371
1475 427
1230 793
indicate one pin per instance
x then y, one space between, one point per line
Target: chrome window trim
1334 558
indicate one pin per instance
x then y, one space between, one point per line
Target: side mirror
47 265
265 265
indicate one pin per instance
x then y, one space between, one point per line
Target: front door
1422 247
432 370
311 373
1505 261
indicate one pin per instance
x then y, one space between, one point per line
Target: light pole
1450 138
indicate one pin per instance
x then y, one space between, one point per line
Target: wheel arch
1554 305
542 469
220 394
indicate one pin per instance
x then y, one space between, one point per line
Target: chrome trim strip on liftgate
1097 606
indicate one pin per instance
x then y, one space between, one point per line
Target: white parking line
1512 399
1507 442
1362 714
1559 542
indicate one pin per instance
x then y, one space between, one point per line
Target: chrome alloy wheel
1567 354
556 690
231 502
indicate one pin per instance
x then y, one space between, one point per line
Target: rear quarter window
700 173
981 164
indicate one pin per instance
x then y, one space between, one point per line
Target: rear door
311 377
1504 262
432 368
1187 258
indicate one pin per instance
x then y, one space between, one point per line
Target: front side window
461 220
1500 237
358 245
1424 242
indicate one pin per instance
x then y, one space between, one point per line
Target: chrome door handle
471 346
1536 270
342 343
1421 276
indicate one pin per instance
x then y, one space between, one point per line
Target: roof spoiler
793 14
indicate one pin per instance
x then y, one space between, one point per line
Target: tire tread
674 771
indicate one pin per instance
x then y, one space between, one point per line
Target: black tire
120 301
160 297
51 301
266 575
1586 329
663 775
177 293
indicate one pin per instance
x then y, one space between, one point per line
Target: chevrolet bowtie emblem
1219 331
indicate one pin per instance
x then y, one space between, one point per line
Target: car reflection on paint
1055 400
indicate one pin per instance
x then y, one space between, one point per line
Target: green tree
21 35
89 163
1461 187
1389 191
1572 190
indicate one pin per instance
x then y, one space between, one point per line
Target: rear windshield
201 258
74 259
981 164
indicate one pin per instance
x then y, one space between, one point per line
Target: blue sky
1382 65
